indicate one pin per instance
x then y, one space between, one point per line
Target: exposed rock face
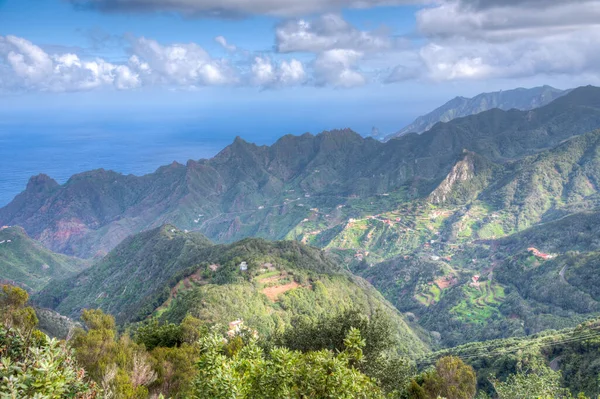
463 171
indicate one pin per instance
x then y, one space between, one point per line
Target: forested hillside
168 273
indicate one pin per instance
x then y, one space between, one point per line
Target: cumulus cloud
267 74
29 67
229 8
328 32
186 65
338 68
25 66
483 39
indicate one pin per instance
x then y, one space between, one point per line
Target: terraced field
431 296
481 302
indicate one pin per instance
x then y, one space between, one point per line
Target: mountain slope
541 278
129 279
522 99
170 273
27 263
268 192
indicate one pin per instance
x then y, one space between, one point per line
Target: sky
287 66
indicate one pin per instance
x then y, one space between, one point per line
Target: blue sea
65 144
61 151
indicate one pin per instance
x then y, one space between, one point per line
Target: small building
213 267
243 266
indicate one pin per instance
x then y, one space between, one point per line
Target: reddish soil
273 292
446 282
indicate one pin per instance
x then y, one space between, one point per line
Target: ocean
61 151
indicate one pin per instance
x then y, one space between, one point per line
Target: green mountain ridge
521 99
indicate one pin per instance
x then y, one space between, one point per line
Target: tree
40 368
119 365
381 361
451 379
250 373
13 310
31 364
537 381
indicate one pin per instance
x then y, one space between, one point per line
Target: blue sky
294 65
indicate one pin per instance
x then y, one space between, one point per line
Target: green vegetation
271 192
481 303
27 263
33 365
167 273
343 355
481 229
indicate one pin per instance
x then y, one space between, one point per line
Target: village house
243 266
539 254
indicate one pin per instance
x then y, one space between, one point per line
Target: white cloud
223 42
29 67
328 32
267 74
338 68
229 8
488 39
506 21
187 65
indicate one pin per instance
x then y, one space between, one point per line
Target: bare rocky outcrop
463 171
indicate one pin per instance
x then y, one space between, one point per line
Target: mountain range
521 99
479 228
267 191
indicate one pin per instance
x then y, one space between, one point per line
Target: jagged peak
41 181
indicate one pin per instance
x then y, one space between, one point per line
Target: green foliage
536 382
153 334
331 331
282 373
120 367
13 312
31 364
451 378
40 368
